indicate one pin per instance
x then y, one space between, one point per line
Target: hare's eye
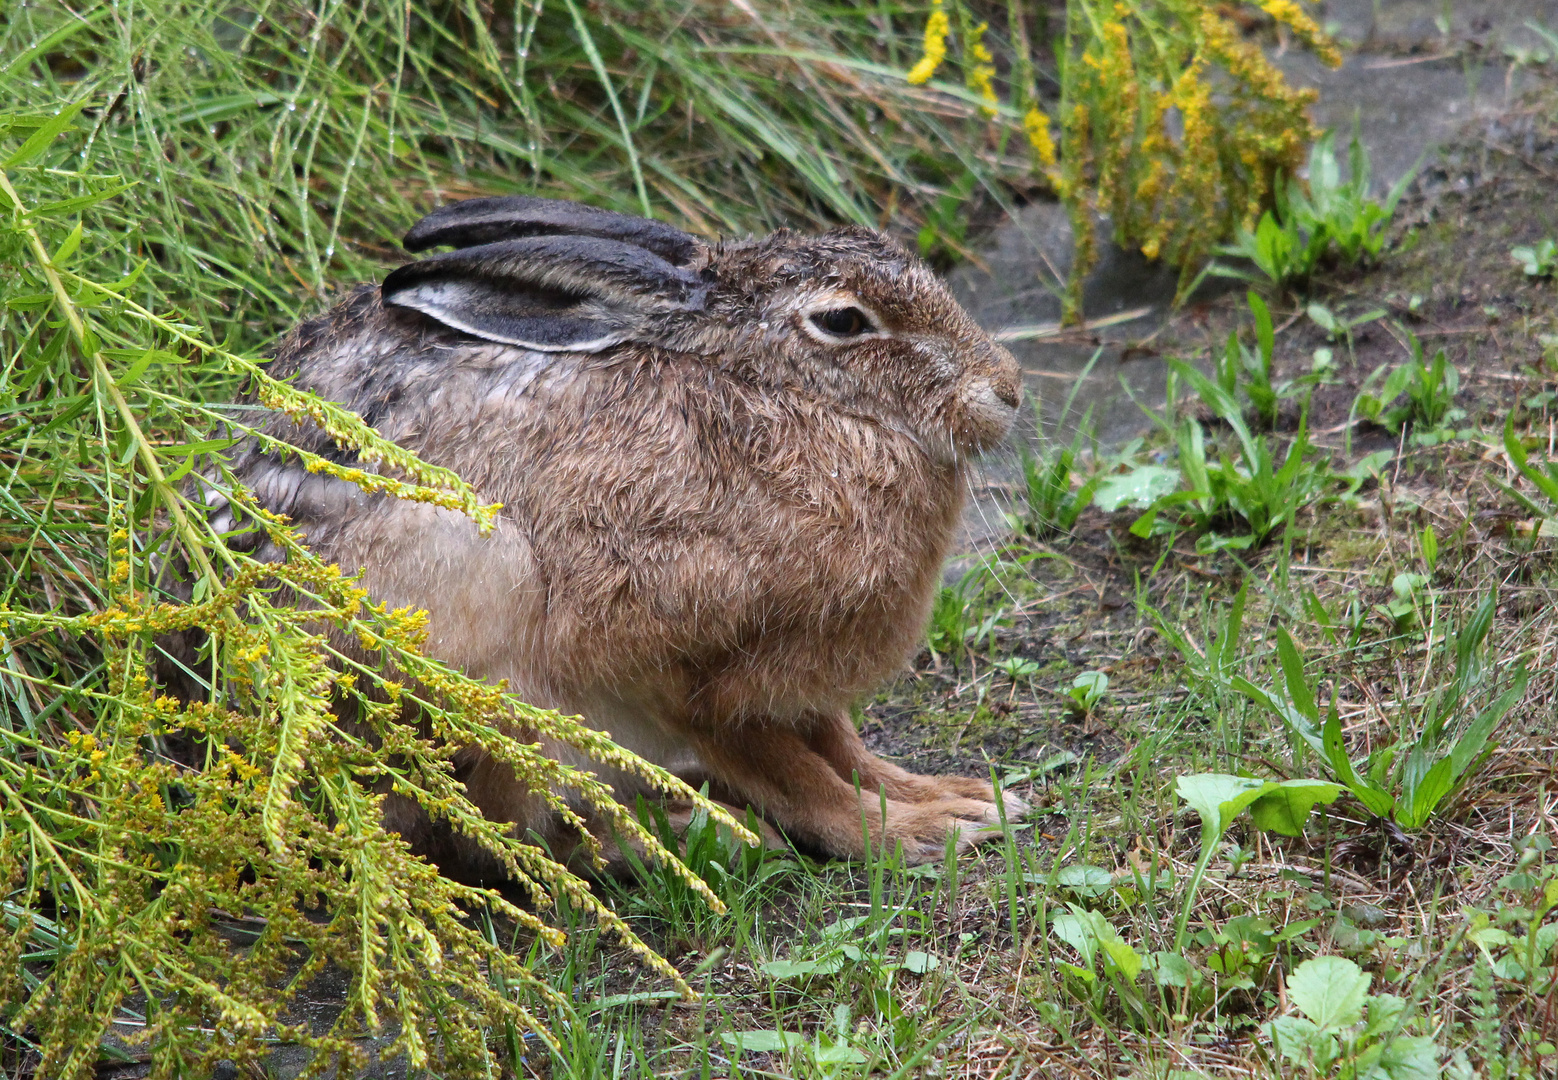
842 322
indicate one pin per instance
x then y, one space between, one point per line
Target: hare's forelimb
839 742
824 789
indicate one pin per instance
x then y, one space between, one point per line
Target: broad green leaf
1294 930
763 1042
1088 687
919 962
1218 798
1211 543
1408 1057
1422 793
798 969
1076 933
1296 1038
1139 488
1171 969
1406 586
837 1053
1517 454
1285 808
1265 338
1471 637
1116 948
1397 381
1384 1014
1330 991
1323 318
1083 880
1127 959
1471 743
1297 685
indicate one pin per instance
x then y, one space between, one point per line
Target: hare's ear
552 293
485 221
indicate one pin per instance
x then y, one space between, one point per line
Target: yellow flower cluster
1143 141
936 30
981 73
1172 126
1036 124
427 483
1290 14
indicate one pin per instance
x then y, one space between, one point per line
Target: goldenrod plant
1170 125
139 830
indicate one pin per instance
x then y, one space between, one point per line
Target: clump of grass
278 150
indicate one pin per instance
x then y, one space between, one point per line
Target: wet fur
715 537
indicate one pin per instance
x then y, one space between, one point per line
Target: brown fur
713 541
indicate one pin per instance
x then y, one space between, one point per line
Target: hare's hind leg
775 769
836 739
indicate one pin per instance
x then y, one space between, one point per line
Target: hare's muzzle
991 392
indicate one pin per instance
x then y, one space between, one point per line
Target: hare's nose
1007 392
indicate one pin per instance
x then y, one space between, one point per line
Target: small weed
1410 590
1334 219
1345 1031
1248 371
1429 389
1250 492
1053 503
1087 690
1219 798
1539 260
1408 778
735 872
1514 937
1340 327
1345 625
1544 479
961 619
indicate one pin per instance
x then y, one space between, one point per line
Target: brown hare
729 475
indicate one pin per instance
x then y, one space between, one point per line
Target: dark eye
842 322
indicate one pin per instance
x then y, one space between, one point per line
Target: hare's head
847 315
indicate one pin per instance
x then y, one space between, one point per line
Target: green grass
279 150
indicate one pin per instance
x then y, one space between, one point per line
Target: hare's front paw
924 828
967 787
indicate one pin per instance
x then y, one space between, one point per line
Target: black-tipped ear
485 221
552 293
